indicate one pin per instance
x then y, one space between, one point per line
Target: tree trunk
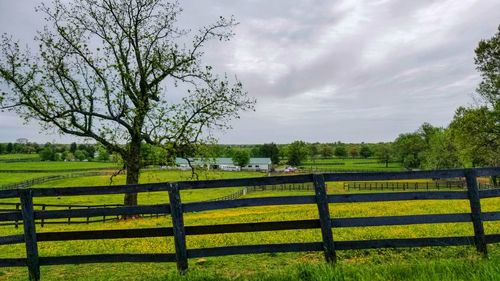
133 163
386 164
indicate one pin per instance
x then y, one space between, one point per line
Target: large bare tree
121 72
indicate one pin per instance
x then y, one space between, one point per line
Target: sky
351 71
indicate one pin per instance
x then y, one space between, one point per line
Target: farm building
226 164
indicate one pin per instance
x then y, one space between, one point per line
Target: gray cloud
331 70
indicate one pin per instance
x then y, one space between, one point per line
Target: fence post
324 217
17 222
178 227
27 211
42 221
104 216
476 214
69 216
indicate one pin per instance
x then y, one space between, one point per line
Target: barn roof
222 161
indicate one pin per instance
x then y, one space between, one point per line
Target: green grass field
401 264
8 178
434 263
349 164
144 198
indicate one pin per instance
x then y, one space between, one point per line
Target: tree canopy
297 152
487 62
241 157
270 150
122 73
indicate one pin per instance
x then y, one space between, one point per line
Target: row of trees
58 152
14 148
298 150
294 153
73 152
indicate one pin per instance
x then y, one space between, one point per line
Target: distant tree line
15 148
294 153
58 152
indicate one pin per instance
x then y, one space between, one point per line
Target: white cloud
334 70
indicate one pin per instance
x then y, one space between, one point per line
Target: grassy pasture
7 178
359 264
436 263
150 177
144 198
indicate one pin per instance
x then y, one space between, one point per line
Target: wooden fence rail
404 185
10 207
428 185
179 231
38 180
250 189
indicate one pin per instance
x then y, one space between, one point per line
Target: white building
226 164
259 164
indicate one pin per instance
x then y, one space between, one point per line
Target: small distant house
259 164
225 164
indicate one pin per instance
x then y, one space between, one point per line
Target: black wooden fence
10 207
333 169
250 189
368 185
176 209
428 185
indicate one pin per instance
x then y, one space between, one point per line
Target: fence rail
179 231
12 207
428 185
38 180
250 189
4 208
367 185
327 169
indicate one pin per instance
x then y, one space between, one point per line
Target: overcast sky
326 70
